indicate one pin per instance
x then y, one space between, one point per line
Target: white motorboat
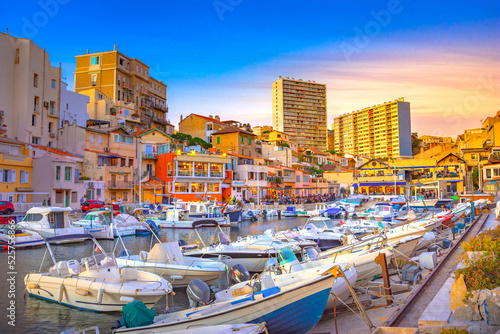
217 329
15 236
166 260
383 212
286 270
95 283
281 307
250 214
51 222
99 224
323 232
252 256
202 210
180 219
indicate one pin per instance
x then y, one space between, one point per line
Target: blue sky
220 57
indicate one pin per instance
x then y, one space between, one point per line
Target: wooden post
382 261
453 230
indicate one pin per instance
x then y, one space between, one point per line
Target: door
113 180
66 199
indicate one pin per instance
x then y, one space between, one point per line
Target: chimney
87 51
210 116
217 118
114 47
181 118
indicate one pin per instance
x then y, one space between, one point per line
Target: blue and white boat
17 237
293 308
290 212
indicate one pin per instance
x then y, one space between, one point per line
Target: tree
475 178
191 141
316 171
415 143
331 152
284 145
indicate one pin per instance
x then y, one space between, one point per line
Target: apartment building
234 140
29 92
58 173
381 131
73 107
201 126
110 156
299 109
16 173
250 179
126 82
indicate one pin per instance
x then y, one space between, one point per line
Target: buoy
33 286
100 293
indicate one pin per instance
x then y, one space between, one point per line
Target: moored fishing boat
17 237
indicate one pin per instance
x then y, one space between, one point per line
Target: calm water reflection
38 316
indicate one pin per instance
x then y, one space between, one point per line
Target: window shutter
1 175
27 176
13 176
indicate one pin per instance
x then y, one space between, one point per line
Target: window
185 168
35 80
67 106
218 139
122 162
488 173
197 187
8 175
58 173
91 137
137 68
77 175
496 172
123 139
51 127
17 56
141 70
36 141
52 106
119 79
122 61
181 187
94 79
130 162
125 196
242 140
33 120
201 169
213 187
35 103
99 139
216 170
118 95
297 178
53 84
98 192
74 197
169 168
249 141
96 60
67 173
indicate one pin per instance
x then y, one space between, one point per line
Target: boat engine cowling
239 274
198 293
182 242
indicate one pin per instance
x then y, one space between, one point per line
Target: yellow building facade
16 169
234 141
442 175
126 81
381 131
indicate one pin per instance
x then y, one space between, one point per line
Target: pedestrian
44 203
82 200
49 202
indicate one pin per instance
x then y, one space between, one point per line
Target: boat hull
295 311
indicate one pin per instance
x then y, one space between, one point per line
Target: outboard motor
198 293
239 274
182 242
224 238
309 254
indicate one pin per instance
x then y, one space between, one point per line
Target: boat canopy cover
47 209
205 223
331 211
69 237
136 314
166 252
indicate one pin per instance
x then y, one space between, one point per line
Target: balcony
120 184
149 156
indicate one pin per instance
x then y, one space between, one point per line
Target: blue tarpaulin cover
136 314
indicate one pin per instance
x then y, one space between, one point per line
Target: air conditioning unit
46 104
52 135
90 185
106 149
2 112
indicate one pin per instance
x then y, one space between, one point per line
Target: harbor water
33 315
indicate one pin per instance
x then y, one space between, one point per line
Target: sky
220 57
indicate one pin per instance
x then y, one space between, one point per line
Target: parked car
92 204
6 207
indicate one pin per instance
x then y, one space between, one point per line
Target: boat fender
33 286
417 278
171 292
242 291
82 292
61 292
176 277
100 294
127 299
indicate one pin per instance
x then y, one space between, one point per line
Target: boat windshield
33 217
286 255
321 222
